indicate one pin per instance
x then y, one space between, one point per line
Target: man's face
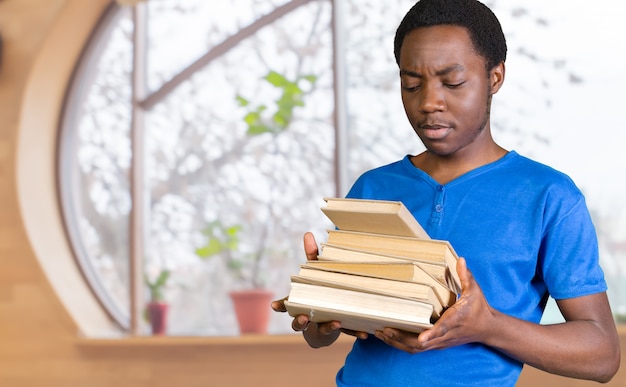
446 90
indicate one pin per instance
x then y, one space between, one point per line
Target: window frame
143 101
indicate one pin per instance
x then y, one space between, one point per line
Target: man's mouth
435 131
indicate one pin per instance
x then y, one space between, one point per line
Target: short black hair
482 24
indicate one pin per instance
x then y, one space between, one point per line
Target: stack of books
377 269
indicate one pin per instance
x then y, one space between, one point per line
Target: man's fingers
357 334
465 275
300 323
310 247
279 305
403 341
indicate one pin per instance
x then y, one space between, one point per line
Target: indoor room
161 160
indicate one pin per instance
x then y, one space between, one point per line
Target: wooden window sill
184 341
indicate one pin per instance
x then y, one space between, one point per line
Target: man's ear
496 77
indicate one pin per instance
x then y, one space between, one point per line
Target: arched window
236 131
216 128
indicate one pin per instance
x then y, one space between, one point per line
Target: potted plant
251 300
157 308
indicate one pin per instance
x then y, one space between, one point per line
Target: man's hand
311 251
315 334
464 322
586 346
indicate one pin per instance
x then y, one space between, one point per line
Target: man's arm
586 346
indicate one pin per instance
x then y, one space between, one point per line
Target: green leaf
218 239
252 118
311 78
282 118
255 130
242 101
162 279
212 247
276 79
156 287
292 96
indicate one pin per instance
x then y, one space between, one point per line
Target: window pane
208 167
180 32
95 162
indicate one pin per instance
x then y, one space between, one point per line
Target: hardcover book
378 269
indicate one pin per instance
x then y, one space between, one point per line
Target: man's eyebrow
450 69
443 71
412 74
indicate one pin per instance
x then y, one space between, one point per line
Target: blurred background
250 117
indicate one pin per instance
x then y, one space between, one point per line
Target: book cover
375 216
354 308
361 322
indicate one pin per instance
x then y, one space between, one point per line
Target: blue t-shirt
525 232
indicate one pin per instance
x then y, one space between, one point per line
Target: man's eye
411 88
454 85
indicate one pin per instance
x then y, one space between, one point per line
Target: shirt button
440 188
438 208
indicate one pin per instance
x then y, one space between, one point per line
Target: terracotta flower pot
253 309
157 312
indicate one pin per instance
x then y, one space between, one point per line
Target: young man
522 228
